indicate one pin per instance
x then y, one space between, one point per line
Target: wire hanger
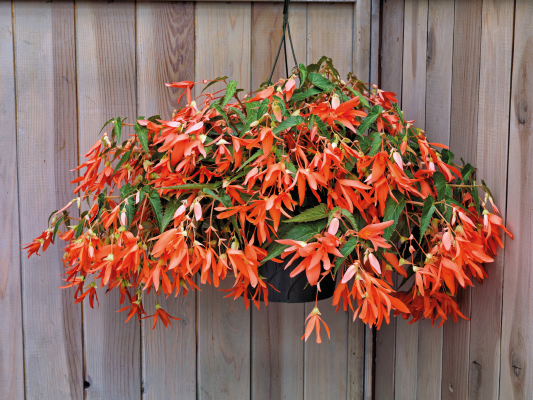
284 42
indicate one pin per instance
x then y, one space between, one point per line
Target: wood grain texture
375 28
492 141
463 143
267 29
11 351
165 53
224 324
439 70
413 104
326 39
326 366
278 352
391 60
277 359
362 34
105 35
358 384
516 379
47 150
218 25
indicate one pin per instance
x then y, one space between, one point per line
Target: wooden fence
463 69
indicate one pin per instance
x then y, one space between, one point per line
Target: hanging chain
287 28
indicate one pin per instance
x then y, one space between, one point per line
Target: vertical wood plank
492 141
267 29
224 324
413 104
278 352
105 36
277 359
375 16
165 53
47 147
326 366
439 70
362 39
516 380
11 353
391 61
463 143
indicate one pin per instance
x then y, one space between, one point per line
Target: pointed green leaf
193 186
369 119
255 155
155 202
305 95
124 158
263 108
142 134
230 91
311 214
288 123
303 73
376 144
56 227
301 232
118 129
170 209
393 211
362 98
105 125
319 81
345 250
427 214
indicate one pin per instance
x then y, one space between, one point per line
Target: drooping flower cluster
325 172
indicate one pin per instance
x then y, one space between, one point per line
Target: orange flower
313 321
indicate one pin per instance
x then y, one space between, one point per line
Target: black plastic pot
293 290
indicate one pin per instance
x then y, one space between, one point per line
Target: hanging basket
284 289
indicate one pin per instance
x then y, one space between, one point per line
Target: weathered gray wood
165 32
47 150
362 39
391 60
224 324
413 104
11 352
492 139
277 359
326 368
463 143
516 380
267 28
105 35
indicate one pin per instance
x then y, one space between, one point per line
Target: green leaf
305 95
193 186
376 144
303 73
215 81
362 98
239 113
398 111
126 190
79 228
440 184
486 188
262 108
393 211
56 227
217 107
256 154
345 250
288 123
142 134
301 232
171 208
124 158
427 214
230 91
447 156
51 215
467 171
311 214
369 119
155 202
226 202
118 129
319 81
130 209
154 119
105 125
